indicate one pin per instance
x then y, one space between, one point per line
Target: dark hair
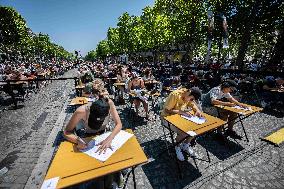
98 112
228 83
195 91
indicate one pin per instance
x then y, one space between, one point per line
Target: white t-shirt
214 94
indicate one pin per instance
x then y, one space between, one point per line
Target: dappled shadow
222 152
70 109
58 139
274 112
162 170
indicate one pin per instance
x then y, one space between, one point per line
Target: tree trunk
278 51
246 37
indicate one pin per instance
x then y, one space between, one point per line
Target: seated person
94 119
270 88
216 96
176 103
148 77
91 86
137 83
273 84
121 78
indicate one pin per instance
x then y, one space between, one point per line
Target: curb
37 176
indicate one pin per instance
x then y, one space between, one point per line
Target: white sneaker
179 153
188 149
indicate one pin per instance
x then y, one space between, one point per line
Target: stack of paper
242 108
117 142
139 94
195 119
90 99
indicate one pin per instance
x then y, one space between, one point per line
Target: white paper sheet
241 108
191 133
117 142
195 119
50 183
90 99
138 93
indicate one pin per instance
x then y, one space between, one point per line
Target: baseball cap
99 110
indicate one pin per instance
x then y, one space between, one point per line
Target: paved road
27 133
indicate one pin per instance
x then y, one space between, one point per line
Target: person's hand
243 106
230 104
81 145
198 114
184 113
104 145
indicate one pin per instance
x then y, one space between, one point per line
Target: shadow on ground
162 171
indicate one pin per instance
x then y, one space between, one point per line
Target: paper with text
117 142
241 108
50 183
195 119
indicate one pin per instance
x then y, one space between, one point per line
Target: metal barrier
10 84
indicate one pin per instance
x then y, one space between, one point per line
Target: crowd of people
17 77
182 87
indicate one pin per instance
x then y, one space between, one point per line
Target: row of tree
255 29
17 40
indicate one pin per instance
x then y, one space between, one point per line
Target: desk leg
209 160
243 127
133 175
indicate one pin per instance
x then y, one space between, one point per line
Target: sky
74 24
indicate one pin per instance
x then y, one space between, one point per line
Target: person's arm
107 142
170 105
265 87
129 85
222 103
142 84
69 129
196 110
236 102
214 94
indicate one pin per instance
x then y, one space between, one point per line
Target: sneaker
179 153
188 149
233 134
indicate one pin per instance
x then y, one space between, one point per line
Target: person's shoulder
110 102
81 110
216 89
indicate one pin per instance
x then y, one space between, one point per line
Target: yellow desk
186 125
80 87
78 101
240 113
151 82
74 167
119 84
278 91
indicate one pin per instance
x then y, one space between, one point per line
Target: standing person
95 118
177 103
220 95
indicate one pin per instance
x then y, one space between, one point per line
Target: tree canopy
254 27
18 39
